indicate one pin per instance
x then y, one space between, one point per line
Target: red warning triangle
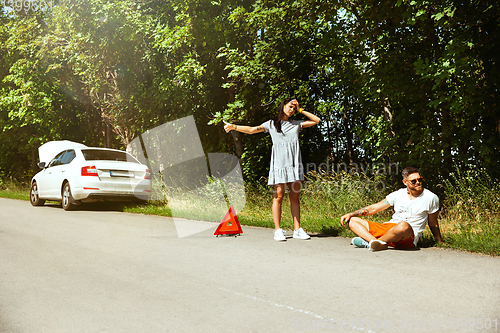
230 224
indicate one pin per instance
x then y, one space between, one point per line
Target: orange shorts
379 229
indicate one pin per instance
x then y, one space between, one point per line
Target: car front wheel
34 197
67 198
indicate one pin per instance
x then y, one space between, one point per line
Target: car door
47 180
60 171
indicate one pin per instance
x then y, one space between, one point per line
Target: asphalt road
105 271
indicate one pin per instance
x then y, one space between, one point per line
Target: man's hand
434 226
345 219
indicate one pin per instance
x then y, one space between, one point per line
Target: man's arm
368 210
434 226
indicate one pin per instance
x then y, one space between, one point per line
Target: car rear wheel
67 197
34 197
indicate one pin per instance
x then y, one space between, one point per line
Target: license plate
117 173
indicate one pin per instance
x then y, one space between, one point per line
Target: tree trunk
34 159
238 143
386 110
108 136
348 132
446 139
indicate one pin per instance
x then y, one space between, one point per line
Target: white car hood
49 150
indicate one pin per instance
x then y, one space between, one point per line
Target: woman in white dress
286 161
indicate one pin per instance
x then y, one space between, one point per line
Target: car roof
100 148
49 150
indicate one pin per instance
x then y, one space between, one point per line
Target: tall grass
208 201
471 216
324 199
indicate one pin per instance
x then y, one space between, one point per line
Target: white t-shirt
415 212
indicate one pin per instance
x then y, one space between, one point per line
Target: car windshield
107 155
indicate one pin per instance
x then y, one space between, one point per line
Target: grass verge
14 190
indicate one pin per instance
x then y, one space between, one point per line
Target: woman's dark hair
277 120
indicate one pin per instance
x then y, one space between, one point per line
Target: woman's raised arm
313 119
243 129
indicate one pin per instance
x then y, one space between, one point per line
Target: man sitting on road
413 207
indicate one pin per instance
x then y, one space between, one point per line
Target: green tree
31 110
280 52
100 53
408 82
430 72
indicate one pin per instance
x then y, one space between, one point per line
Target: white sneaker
300 234
377 245
278 235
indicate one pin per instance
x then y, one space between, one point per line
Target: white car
74 173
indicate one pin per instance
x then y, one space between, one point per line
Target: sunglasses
414 181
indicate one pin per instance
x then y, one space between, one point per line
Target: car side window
56 160
68 157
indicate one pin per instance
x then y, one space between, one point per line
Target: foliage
431 73
31 106
407 82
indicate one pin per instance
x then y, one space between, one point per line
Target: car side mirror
41 165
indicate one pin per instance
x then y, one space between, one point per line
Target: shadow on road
105 206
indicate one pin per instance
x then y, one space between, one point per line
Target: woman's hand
295 103
229 127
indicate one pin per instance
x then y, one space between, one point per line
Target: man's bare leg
360 228
397 233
